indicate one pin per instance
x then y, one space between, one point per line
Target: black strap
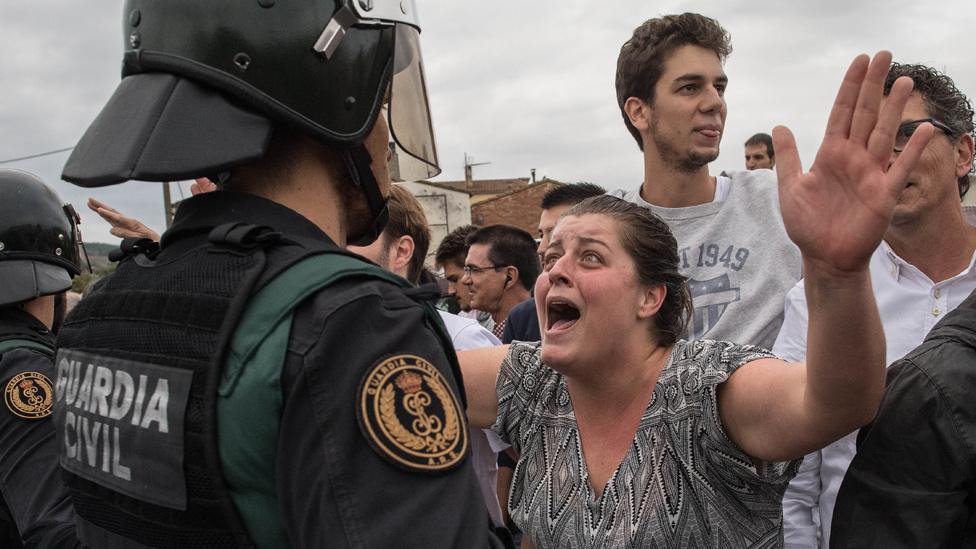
132 246
357 161
244 237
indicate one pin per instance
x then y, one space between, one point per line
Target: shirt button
936 311
937 293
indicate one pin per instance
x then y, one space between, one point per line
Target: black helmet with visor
205 82
40 245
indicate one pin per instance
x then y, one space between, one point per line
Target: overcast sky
521 85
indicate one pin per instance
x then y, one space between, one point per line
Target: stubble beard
358 217
681 161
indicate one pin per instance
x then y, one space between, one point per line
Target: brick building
484 189
519 207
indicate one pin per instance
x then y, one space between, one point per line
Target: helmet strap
357 161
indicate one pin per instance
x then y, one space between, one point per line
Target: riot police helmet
40 245
206 82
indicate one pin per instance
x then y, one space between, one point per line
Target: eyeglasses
470 269
907 129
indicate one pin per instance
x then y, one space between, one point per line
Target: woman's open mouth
560 315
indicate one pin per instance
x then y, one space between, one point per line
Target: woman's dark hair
649 242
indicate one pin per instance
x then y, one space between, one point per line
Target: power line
38 155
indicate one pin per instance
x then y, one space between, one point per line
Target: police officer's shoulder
362 291
26 366
388 356
28 392
22 355
328 310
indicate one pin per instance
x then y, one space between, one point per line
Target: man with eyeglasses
500 270
922 270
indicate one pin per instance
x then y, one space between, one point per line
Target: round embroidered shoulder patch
410 416
29 395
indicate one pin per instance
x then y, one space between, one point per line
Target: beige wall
446 210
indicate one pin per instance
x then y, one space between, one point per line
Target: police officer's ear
509 277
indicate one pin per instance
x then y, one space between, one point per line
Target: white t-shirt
722 185
737 256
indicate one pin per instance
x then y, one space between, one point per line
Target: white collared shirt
910 304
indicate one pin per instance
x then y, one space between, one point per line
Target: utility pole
167 204
468 172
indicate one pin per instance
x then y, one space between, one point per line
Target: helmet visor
25 279
78 256
409 111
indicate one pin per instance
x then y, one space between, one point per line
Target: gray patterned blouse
683 483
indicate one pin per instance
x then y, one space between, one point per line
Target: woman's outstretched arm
837 214
480 370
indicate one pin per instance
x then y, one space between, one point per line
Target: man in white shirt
923 269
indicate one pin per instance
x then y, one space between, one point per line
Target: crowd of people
698 361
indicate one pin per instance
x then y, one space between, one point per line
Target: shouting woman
631 437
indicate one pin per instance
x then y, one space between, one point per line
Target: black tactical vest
138 368
136 409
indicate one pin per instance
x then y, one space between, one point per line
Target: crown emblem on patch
410 415
409 382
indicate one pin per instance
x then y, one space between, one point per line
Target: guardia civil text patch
120 424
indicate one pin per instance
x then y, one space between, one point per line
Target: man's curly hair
641 60
944 102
